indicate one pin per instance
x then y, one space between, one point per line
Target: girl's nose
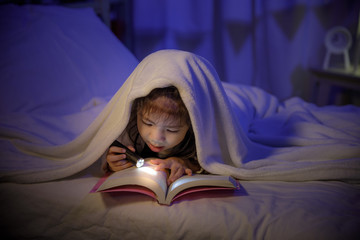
158 135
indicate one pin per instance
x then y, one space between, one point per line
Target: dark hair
175 108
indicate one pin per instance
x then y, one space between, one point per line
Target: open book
147 180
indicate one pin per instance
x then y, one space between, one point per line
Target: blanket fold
239 130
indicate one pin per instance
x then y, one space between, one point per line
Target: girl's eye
147 123
172 130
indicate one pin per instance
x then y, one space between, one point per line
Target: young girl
159 127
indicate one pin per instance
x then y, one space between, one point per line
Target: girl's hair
175 108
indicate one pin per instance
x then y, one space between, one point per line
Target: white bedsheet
260 210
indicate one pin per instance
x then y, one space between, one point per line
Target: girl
160 128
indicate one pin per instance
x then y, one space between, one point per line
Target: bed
61 67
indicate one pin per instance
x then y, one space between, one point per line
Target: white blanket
240 131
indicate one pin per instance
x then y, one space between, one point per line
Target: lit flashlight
130 155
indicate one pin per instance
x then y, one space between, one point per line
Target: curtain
270 44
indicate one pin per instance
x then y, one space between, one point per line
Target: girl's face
160 133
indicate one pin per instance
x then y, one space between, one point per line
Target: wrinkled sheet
239 130
260 210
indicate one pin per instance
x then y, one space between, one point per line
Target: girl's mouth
155 148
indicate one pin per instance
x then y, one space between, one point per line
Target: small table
324 81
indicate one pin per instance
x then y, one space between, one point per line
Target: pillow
54 60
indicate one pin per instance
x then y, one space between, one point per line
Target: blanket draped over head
239 130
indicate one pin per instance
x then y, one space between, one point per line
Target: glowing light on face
160 134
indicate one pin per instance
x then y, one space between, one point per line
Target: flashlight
130 155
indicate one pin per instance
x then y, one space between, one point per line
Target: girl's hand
116 158
177 167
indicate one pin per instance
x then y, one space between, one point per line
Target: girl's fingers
114 158
120 165
115 149
176 172
161 164
156 161
131 148
188 171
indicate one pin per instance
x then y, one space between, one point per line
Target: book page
199 180
145 176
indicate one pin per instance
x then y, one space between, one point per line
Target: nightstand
325 82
